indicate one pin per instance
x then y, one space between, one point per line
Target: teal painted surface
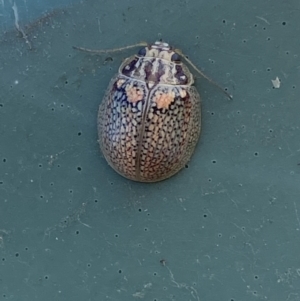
225 228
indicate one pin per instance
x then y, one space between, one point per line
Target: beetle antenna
109 50
203 75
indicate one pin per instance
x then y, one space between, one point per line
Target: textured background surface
225 228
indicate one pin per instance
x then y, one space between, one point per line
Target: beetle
149 120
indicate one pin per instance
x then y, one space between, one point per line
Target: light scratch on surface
139 295
297 216
242 229
19 29
99 25
263 19
3 233
16 14
193 291
68 220
231 199
181 200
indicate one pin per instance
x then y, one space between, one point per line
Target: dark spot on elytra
129 67
175 57
142 51
180 75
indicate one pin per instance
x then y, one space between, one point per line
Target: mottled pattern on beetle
168 139
148 134
120 121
